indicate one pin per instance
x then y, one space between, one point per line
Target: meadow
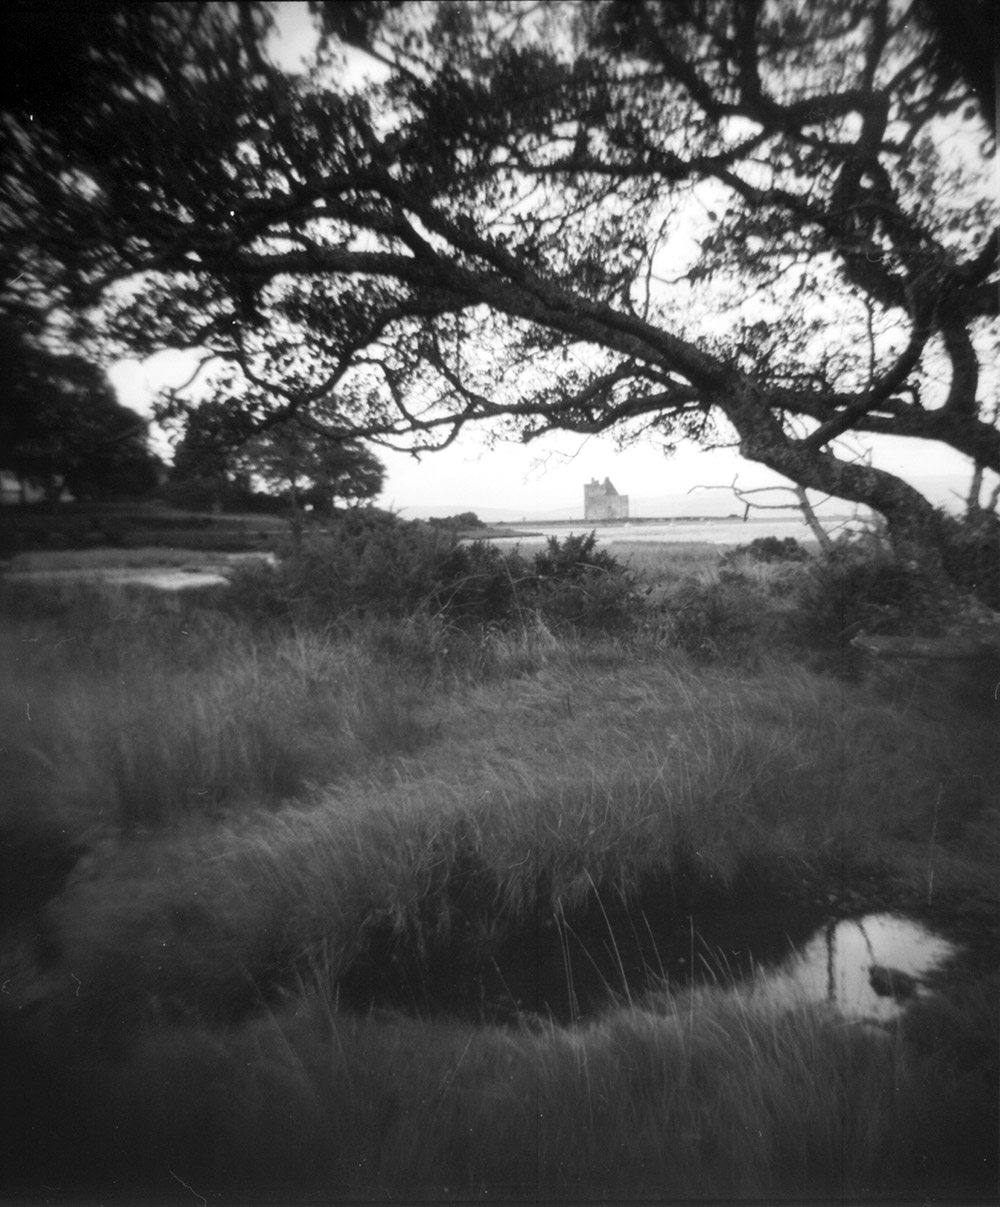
361 880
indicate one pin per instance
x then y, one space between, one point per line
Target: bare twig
801 503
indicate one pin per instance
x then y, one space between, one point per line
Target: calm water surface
712 532
867 968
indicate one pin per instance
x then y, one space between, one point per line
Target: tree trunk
913 524
296 517
815 527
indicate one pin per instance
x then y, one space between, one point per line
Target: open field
400 909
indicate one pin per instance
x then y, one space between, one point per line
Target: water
867 968
570 967
32 568
166 579
724 531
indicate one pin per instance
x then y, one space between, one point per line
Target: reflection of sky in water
178 580
167 578
708 531
835 965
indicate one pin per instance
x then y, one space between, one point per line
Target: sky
545 479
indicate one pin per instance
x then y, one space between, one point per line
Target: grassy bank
89 527
388 908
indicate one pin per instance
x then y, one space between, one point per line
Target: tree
291 459
61 426
766 223
221 459
206 473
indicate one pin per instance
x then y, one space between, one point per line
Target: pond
869 968
66 568
168 579
570 967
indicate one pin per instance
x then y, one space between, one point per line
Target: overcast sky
545 481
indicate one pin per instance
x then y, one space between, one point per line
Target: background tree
763 224
61 426
222 462
296 463
206 474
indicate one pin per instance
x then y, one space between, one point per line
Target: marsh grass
530 799
121 712
282 822
712 1094
663 563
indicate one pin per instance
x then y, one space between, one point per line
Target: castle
602 502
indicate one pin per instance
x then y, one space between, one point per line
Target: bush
581 586
971 554
864 586
368 563
592 602
480 583
767 549
574 558
371 564
724 619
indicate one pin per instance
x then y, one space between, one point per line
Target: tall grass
280 821
664 564
714 1094
533 794
123 714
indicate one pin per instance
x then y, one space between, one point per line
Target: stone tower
602 502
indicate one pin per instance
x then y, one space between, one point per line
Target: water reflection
866 968
167 578
178 580
210 573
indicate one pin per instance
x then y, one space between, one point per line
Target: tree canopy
222 461
751 221
294 460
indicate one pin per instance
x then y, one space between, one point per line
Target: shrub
592 600
767 549
573 557
864 586
722 619
579 585
971 554
367 563
374 565
479 583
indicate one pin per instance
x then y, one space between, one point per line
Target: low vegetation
129 525
364 880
